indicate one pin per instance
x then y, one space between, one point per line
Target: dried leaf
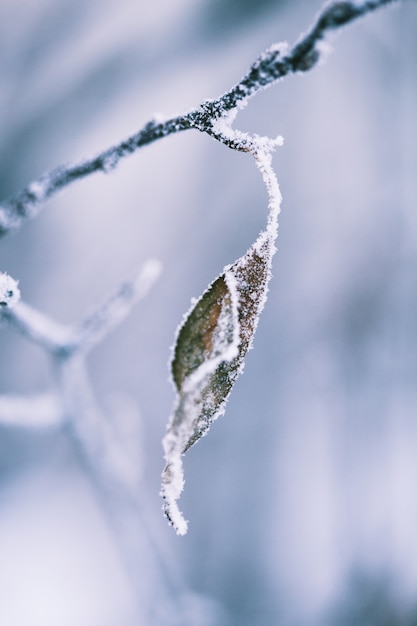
210 349
205 348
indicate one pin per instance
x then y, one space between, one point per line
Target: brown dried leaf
211 346
208 356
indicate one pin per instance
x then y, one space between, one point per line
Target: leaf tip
172 486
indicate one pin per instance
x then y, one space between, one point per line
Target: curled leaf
210 349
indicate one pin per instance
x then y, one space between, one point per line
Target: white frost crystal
9 291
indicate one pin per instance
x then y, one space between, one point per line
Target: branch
25 205
42 410
270 67
277 61
100 323
38 327
63 341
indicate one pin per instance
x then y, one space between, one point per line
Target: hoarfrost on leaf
211 346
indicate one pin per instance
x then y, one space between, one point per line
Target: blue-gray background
302 500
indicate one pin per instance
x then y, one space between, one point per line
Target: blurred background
301 502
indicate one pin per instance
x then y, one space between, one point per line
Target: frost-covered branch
65 341
108 445
103 444
26 204
277 62
38 327
102 321
38 411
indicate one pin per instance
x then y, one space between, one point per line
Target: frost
41 411
239 140
263 62
9 291
280 48
211 345
37 190
110 161
159 118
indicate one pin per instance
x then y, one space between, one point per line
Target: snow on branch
277 62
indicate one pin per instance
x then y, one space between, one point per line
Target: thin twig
37 411
102 321
38 327
277 61
62 341
270 67
25 205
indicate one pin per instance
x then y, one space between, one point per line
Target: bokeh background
302 500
